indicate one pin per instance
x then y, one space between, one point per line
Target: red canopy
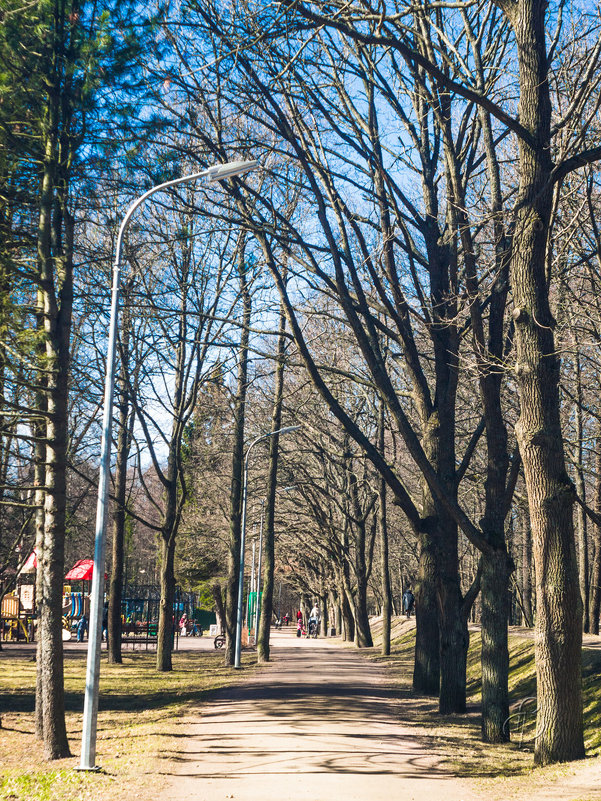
31 563
82 571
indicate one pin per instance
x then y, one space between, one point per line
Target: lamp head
222 171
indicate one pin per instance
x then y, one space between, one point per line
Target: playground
139 609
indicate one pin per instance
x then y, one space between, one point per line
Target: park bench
139 633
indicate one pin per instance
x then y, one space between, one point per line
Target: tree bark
335 606
239 415
348 621
167 620
527 569
595 608
269 538
581 521
363 636
356 521
126 421
219 608
496 570
173 500
384 565
39 482
57 323
385 570
454 638
426 669
558 640
325 612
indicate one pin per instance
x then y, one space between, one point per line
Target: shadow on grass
457 738
120 685
24 701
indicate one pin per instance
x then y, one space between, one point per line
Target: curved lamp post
90 712
243 539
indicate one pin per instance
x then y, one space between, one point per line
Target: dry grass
141 713
498 771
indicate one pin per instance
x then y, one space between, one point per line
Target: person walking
105 622
314 618
82 627
408 602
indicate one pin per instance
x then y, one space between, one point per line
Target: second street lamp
218 172
286 430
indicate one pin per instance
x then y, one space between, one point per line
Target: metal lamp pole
90 713
249 613
258 587
243 539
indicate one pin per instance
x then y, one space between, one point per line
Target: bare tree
189 310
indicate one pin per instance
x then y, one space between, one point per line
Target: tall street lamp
260 562
90 712
243 538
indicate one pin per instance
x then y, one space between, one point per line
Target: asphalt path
320 722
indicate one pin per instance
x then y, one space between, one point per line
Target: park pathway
319 723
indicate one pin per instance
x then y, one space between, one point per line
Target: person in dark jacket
408 602
105 622
82 627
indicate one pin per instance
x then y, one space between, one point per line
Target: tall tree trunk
595 608
385 570
239 414
558 640
496 567
174 500
362 629
269 534
325 612
167 620
39 482
219 608
454 639
39 543
126 422
438 596
496 570
383 528
348 621
58 304
581 521
426 669
527 567
335 606
357 523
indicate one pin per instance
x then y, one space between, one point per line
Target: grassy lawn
141 713
144 714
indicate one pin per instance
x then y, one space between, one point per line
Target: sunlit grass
504 771
140 711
